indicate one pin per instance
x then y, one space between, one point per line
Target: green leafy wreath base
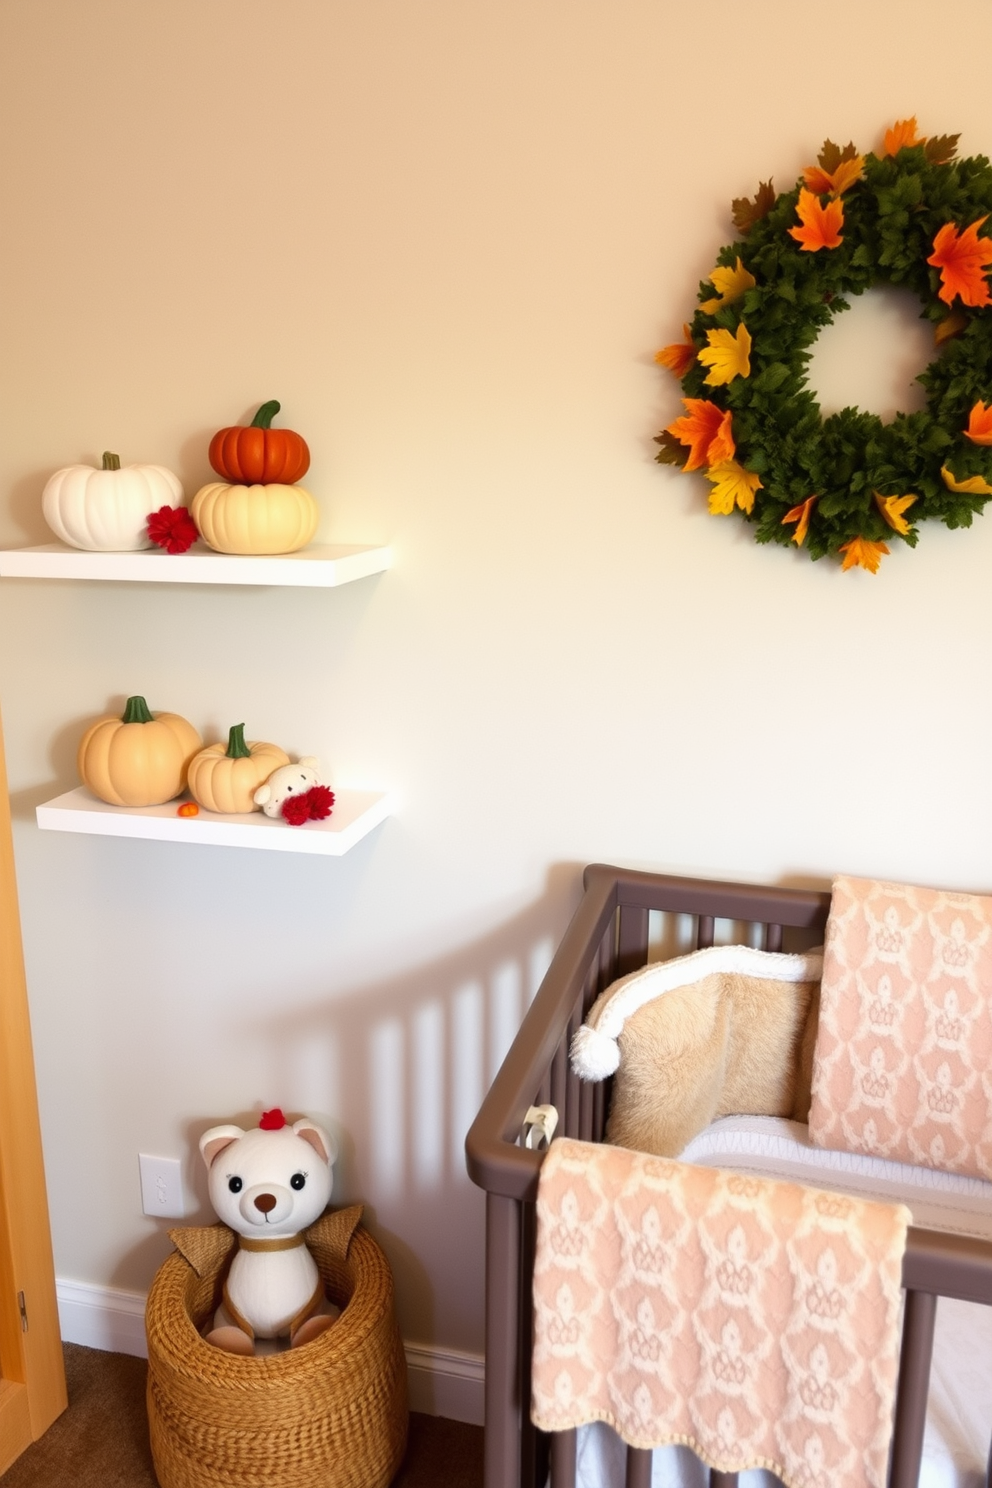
891 217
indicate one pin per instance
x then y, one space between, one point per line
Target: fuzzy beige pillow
726 1031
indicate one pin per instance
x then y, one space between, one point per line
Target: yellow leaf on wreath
732 486
729 284
892 508
727 356
861 552
800 515
974 485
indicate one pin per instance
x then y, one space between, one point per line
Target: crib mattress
959 1409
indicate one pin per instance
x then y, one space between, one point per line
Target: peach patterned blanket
752 1320
903 1061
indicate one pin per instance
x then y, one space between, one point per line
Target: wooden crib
607 938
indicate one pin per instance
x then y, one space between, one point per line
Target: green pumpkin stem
111 462
136 710
236 746
265 415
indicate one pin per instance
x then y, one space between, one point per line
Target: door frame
32 1372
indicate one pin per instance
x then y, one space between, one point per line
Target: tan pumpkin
224 777
139 759
255 519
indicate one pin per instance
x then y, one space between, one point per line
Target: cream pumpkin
139 759
224 777
255 519
107 511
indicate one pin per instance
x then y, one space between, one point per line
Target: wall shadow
409 1060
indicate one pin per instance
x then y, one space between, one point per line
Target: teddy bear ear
262 795
213 1142
309 762
319 1139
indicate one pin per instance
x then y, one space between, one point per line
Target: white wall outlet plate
161 1186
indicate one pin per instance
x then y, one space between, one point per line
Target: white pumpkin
107 511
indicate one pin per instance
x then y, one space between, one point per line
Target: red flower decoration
320 800
313 805
272 1120
296 810
172 528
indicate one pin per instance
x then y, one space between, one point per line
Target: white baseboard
446 1383
102 1317
443 1382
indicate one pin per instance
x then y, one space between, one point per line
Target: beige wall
448 237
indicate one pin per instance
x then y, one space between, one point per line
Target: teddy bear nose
265 1202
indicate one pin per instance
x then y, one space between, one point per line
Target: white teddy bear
268 1185
288 780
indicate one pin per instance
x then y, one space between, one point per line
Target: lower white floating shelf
355 814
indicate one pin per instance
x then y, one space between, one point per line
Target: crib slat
573 1085
531 1455
772 938
919 1318
559 1082
598 1110
607 959
704 932
722 1479
563 1459
586 1111
632 941
638 1468
503 1410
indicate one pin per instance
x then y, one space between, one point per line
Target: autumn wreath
910 216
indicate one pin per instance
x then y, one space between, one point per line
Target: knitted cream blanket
752 1320
902 1066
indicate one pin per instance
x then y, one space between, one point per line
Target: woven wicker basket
332 1414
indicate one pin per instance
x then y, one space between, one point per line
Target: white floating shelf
322 566
355 814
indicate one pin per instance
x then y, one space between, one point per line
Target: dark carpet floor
101 1441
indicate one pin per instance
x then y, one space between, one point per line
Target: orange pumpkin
259 454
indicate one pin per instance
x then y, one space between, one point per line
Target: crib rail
607 938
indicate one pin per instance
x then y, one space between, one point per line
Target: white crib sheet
959 1409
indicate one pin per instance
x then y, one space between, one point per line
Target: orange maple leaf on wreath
706 429
979 429
861 552
678 357
800 515
835 171
821 225
901 136
962 258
